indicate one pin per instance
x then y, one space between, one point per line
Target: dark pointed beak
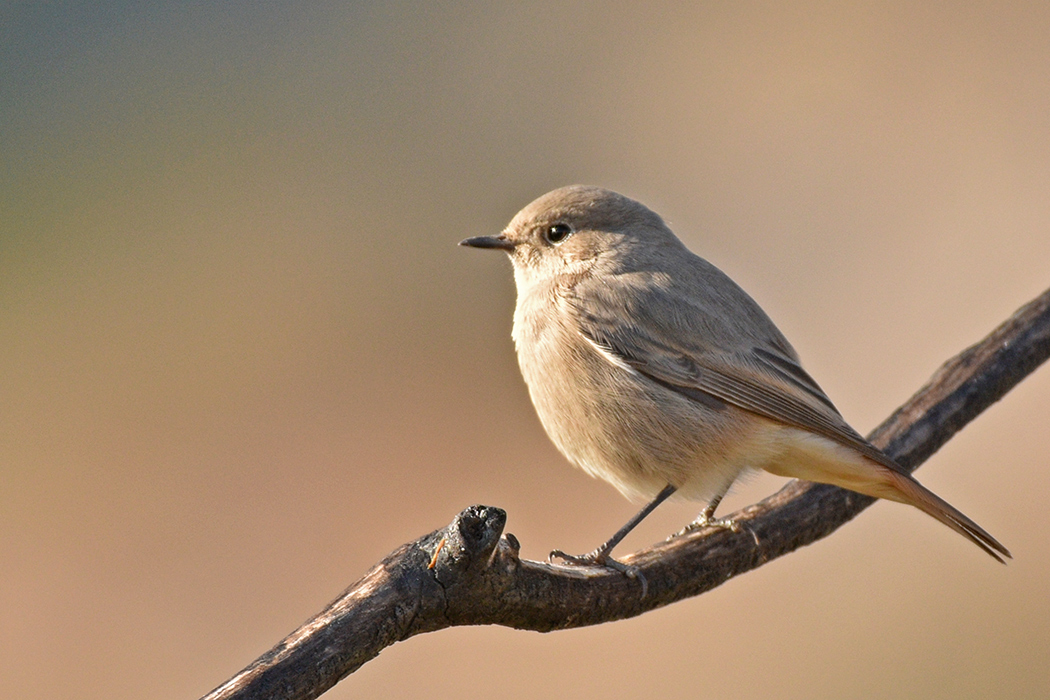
500 242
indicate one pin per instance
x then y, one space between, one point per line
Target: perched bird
653 370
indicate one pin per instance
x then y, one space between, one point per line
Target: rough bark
468 573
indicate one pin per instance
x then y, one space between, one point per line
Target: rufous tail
915 494
816 458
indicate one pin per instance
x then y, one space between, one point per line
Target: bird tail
815 458
908 490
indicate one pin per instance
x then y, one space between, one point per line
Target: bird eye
556 233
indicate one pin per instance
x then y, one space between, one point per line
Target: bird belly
639 436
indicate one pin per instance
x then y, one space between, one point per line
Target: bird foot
705 521
600 558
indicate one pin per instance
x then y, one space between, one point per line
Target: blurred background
243 359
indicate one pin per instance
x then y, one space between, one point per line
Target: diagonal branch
467 574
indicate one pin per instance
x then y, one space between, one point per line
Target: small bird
651 369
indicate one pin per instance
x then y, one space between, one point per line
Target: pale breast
616 424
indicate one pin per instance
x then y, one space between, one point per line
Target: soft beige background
243 359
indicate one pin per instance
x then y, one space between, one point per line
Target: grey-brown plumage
651 369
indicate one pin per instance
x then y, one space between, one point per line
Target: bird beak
499 241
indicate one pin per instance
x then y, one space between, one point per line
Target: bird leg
600 556
707 519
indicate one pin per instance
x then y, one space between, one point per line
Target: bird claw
705 522
601 560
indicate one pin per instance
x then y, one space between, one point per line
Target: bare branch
467 574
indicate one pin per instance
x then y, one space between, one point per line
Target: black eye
556 233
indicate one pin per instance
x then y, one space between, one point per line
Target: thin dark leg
600 556
633 522
708 513
707 518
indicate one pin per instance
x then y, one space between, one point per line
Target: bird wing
670 343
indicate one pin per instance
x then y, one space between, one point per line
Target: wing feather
673 350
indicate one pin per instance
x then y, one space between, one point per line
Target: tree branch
467 574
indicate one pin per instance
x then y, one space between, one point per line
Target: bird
651 369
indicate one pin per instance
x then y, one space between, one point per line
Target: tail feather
913 493
816 458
